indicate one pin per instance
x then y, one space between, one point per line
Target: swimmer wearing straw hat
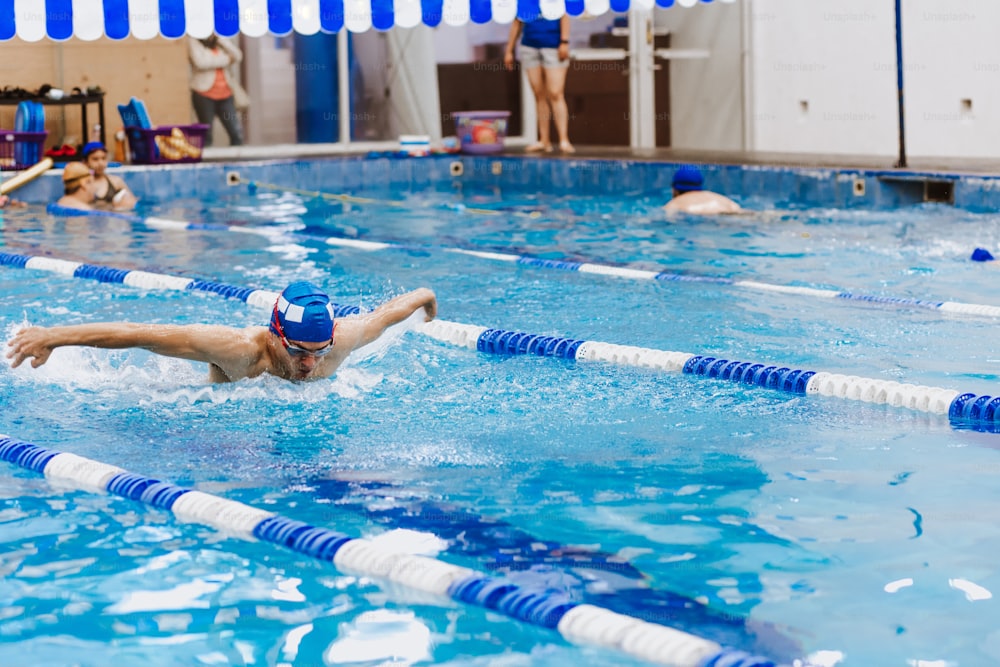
79 188
302 342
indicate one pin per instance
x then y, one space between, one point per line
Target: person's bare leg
542 110
555 83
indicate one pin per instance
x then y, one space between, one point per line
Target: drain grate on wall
918 188
939 191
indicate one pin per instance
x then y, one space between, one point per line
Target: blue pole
316 93
899 86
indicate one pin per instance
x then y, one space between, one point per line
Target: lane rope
965 410
611 270
576 622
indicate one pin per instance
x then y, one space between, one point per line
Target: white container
415 144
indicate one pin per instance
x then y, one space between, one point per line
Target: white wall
456 44
706 96
823 77
951 53
452 44
840 58
270 83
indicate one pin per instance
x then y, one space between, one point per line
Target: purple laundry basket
481 131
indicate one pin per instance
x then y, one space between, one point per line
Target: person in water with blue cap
690 196
110 191
303 340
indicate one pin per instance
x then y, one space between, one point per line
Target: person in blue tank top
544 55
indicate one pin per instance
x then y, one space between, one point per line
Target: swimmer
690 197
302 342
78 187
7 202
111 191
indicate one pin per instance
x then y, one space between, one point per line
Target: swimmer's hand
33 343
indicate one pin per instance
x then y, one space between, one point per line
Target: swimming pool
804 523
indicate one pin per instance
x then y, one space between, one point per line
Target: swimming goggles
295 350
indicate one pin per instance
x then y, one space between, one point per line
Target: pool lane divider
577 622
965 410
954 307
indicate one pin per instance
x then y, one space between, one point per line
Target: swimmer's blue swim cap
304 313
93 147
688 179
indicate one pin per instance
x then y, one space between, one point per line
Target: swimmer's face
97 161
305 357
89 186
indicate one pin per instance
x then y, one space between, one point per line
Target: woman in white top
212 91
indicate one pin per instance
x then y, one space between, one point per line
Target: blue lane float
793 381
935 400
599 578
67 212
577 622
499 341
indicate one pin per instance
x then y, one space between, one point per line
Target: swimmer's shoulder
703 202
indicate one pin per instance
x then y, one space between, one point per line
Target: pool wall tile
757 182
326 176
970 195
814 186
757 185
977 194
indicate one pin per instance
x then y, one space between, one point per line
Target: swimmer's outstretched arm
223 346
392 312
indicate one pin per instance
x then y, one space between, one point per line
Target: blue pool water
797 525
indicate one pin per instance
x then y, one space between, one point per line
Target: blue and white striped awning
34 20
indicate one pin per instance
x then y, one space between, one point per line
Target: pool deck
982 166
942 165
